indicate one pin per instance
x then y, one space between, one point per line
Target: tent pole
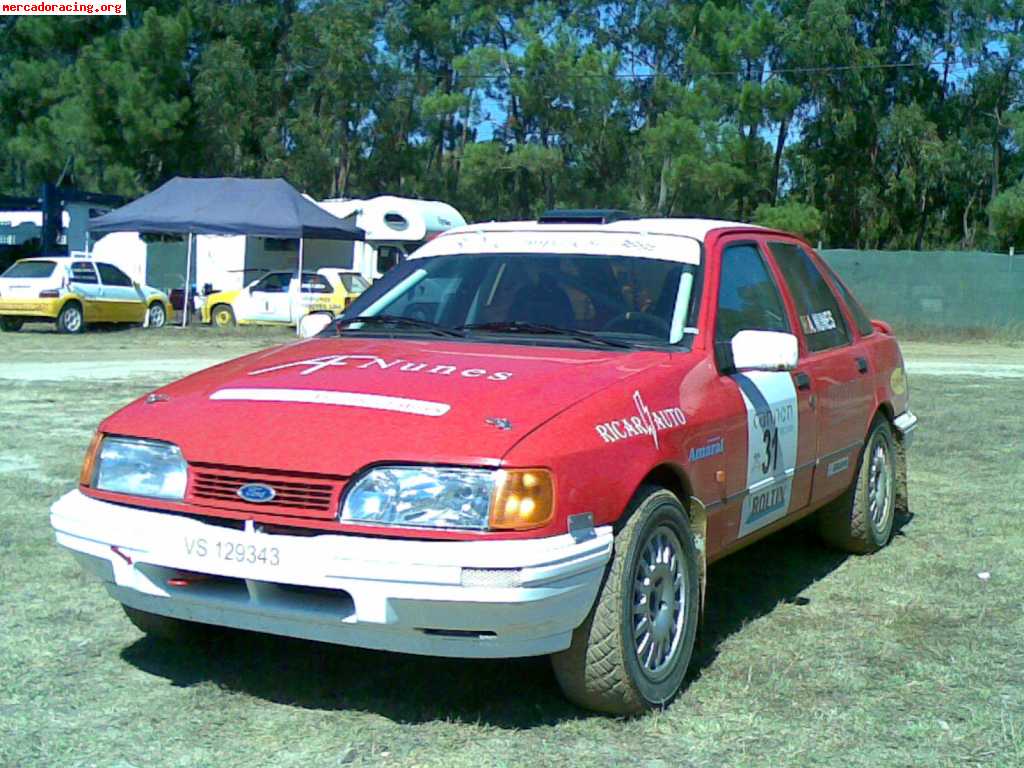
301 305
188 281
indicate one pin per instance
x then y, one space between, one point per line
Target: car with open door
278 298
73 292
529 438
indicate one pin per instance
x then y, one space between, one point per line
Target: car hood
334 406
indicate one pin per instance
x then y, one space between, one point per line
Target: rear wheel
156 315
861 520
11 324
632 651
222 316
163 627
70 319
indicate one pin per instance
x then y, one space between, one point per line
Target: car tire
163 627
11 324
605 669
156 315
861 520
71 318
223 316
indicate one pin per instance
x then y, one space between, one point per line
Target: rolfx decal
364 362
646 422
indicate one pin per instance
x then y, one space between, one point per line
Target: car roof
695 228
60 259
679 240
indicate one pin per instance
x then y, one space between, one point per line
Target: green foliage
899 123
803 219
1007 213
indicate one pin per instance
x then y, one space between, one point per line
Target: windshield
623 298
28 269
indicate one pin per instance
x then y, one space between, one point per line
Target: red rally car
529 438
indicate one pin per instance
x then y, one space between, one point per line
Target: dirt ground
911 657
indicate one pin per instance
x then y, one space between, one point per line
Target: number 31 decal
770 399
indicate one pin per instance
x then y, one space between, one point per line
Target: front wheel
156 315
632 651
11 324
861 520
222 316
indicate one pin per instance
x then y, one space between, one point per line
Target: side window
748 299
860 317
275 282
83 272
820 317
315 284
388 256
111 275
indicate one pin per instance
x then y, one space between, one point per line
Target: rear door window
820 317
83 272
860 317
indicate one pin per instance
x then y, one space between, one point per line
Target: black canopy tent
224 206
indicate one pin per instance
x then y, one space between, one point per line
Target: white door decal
771 446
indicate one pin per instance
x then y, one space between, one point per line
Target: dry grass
905 658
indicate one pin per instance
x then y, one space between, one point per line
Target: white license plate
231 551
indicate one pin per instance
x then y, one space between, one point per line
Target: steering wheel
638 322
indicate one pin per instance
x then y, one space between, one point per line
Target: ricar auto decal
645 422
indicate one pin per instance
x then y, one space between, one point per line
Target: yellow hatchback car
73 292
276 298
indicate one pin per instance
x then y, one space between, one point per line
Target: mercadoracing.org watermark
63 9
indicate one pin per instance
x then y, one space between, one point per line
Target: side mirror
310 325
764 351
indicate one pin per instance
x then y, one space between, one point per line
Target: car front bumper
484 599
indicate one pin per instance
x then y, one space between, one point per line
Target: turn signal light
49 293
89 465
525 499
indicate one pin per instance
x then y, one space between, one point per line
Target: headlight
448 497
141 468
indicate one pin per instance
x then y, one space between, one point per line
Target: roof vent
583 216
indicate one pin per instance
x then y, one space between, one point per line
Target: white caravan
394 226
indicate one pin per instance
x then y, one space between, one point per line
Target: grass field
905 658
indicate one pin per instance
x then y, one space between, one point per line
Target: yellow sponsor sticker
898 381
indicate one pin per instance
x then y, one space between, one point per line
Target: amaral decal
646 422
372 362
713 447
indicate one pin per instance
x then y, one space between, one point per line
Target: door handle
803 381
862 364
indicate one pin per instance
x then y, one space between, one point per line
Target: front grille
294 495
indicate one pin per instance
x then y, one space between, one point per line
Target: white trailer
394 226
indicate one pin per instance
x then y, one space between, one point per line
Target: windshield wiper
521 326
399 321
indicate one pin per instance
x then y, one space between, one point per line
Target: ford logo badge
257 493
